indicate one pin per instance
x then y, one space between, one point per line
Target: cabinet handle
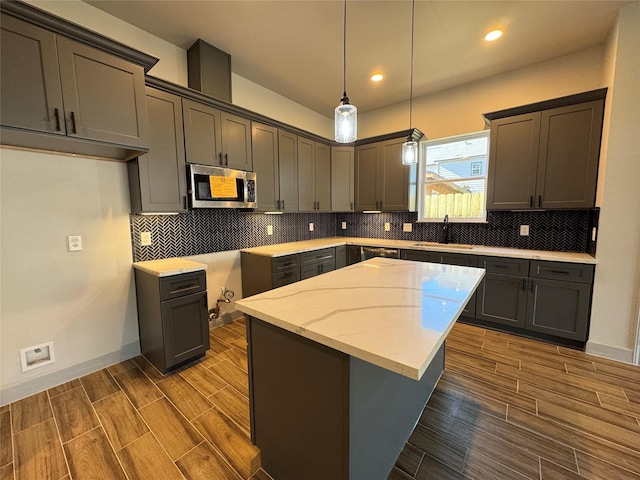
539 200
560 272
531 285
73 123
530 201
220 158
184 201
524 284
226 160
500 266
56 114
282 204
351 205
185 287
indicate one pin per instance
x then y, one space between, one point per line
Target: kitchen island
341 365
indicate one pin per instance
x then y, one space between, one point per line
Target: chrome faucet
445 229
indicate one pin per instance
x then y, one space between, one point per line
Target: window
453 178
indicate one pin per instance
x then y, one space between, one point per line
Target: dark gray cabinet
545 159
342 181
314 176
317 262
288 171
264 142
214 137
56 86
172 318
381 180
157 181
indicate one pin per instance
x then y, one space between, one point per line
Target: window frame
422 182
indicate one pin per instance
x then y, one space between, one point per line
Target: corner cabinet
217 138
546 159
71 92
342 181
157 180
381 180
314 176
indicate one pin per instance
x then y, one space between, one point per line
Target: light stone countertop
282 249
169 266
392 313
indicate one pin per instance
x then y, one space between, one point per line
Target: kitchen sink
444 245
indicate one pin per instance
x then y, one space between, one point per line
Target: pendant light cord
413 13
344 49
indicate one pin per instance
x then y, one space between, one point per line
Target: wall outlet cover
145 239
344 225
387 226
407 227
269 229
524 230
75 243
311 227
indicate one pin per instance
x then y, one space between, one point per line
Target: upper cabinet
157 180
214 137
546 158
287 171
58 93
264 142
314 176
342 181
381 180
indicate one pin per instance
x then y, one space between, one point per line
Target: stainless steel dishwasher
370 252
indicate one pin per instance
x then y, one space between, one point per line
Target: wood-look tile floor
505 408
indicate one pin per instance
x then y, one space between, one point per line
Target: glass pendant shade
346 121
410 153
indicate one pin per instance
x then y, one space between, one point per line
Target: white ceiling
295 47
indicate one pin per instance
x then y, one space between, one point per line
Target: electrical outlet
524 230
344 225
75 243
387 226
269 229
407 227
311 227
145 239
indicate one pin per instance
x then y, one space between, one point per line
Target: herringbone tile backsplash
212 230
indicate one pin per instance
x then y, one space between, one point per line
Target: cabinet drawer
308 271
285 278
317 256
420 256
287 262
569 272
184 284
506 266
459 259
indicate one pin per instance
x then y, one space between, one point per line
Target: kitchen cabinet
157 181
288 171
314 176
317 262
546 159
262 273
70 92
172 318
381 181
264 143
215 137
342 180
447 259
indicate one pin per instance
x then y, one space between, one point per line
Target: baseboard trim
607 351
17 391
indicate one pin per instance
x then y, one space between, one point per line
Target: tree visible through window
453 178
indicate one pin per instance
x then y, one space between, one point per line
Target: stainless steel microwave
217 187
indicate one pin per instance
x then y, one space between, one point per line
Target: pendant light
346 115
410 147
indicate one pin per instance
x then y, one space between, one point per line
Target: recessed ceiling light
377 77
493 35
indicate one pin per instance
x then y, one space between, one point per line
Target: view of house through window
453 178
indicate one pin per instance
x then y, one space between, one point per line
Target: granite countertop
392 313
282 249
169 266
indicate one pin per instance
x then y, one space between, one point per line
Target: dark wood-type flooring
505 408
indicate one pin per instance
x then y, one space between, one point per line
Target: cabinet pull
524 284
530 201
560 272
282 204
500 266
220 158
184 201
351 205
531 285
73 123
184 287
226 160
56 114
539 200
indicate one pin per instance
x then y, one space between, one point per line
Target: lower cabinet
317 262
172 318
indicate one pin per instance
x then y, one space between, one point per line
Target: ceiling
295 47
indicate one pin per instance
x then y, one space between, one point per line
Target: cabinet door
513 160
264 143
569 155
202 133
322 174
161 173
559 308
236 142
185 328
31 93
342 182
366 173
288 166
104 96
306 180
461 259
393 177
502 299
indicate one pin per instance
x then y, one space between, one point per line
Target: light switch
387 226
344 225
145 239
269 229
311 227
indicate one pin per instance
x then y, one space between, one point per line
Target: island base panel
317 413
